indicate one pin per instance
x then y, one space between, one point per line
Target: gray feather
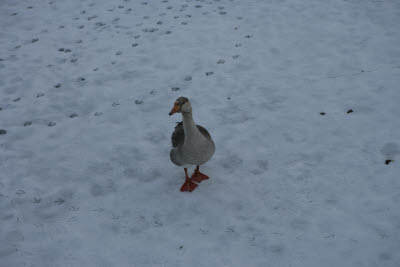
178 136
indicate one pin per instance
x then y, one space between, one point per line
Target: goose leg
188 185
197 176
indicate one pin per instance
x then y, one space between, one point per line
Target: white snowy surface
287 187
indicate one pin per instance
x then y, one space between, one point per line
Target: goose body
191 152
191 144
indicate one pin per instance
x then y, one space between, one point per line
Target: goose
191 144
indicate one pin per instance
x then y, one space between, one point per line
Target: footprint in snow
100 24
58 85
229 230
168 32
222 12
175 89
150 29
17 99
51 124
92 17
221 61
350 111
20 192
138 102
27 123
209 73
158 224
73 115
136 36
98 114
34 40
235 56
118 53
59 201
188 78
2 131
203 231
135 44
39 95
73 208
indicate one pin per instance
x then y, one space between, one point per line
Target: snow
288 186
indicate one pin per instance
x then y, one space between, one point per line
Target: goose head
181 105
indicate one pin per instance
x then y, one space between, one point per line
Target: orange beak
174 109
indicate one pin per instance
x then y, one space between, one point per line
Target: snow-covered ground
85 91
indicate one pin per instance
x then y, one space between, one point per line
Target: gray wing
204 132
178 136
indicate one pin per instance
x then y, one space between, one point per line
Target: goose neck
189 126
